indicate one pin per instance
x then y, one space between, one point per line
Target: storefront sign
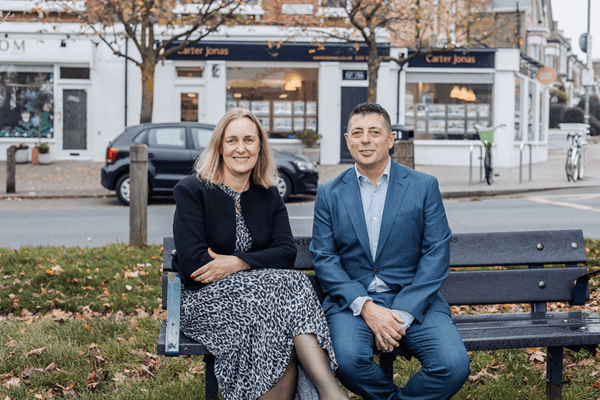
12 47
297 9
546 75
454 59
275 51
352 75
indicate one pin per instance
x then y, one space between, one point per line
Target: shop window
26 104
74 73
283 99
190 72
448 111
189 107
517 109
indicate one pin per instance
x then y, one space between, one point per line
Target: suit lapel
353 203
398 184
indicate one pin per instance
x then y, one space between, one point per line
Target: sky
572 18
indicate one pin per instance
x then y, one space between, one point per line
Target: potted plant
44 153
22 154
310 138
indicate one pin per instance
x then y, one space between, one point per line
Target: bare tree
157 28
423 26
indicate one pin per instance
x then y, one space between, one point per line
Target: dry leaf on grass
35 352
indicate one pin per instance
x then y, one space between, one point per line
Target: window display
284 99
26 104
447 111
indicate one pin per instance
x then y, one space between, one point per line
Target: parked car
172 150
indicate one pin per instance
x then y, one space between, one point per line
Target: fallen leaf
51 367
11 343
16 382
128 287
36 352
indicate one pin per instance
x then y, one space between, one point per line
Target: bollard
404 152
138 202
11 169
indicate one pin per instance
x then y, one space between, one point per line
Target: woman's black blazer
205 217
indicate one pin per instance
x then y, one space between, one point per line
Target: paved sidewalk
82 178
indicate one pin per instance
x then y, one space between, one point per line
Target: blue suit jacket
413 251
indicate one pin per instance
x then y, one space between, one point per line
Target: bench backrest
532 250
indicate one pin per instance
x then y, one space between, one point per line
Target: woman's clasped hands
220 267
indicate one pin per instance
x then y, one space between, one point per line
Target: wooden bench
542 267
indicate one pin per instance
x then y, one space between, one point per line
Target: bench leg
211 384
386 362
554 369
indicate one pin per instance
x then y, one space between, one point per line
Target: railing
521 160
471 163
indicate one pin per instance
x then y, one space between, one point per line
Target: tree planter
22 156
44 158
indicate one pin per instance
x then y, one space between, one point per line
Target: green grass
90 330
114 277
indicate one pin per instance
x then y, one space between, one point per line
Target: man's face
369 141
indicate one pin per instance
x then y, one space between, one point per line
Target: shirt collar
386 171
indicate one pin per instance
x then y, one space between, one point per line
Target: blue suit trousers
435 342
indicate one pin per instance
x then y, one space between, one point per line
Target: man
381 253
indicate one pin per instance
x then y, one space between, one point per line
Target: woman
232 235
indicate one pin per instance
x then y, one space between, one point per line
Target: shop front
450 96
290 86
44 95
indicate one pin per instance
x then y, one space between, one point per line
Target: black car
172 150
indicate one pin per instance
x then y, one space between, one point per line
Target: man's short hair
371 108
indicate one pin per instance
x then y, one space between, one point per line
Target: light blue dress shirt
373 200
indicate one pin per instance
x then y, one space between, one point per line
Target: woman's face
240 147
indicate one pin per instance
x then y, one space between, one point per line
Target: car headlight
305 165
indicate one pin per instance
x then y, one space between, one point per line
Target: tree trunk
373 67
147 91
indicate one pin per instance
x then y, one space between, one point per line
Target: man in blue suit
381 253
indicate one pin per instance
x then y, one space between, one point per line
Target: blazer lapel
353 202
398 184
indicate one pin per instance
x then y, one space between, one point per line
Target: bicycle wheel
580 165
575 161
569 164
489 171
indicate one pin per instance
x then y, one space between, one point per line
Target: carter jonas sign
452 59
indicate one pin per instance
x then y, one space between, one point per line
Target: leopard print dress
248 320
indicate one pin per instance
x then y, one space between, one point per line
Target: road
96 222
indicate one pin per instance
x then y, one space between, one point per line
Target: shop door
189 103
75 141
351 97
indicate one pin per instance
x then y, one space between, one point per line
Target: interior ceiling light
237 95
462 94
292 82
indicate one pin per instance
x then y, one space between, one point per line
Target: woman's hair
209 166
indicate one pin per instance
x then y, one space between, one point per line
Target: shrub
43 148
573 115
556 111
309 137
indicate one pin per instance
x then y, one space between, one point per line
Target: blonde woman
233 236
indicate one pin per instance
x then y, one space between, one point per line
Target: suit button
376 271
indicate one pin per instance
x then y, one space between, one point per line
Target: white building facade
74 93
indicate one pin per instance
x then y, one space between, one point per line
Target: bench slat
511 286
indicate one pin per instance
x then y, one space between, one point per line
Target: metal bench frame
530 280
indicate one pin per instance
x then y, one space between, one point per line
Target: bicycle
487 137
575 158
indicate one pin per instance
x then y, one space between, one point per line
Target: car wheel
123 189
284 185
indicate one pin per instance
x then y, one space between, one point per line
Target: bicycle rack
471 163
521 161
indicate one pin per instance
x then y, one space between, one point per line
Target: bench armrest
581 291
173 314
